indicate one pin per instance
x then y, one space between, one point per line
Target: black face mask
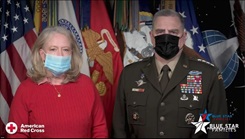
166 46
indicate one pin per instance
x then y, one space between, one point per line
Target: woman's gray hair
168 12
38 72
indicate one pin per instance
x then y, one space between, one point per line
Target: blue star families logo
201 124
222 126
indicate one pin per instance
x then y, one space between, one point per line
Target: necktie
165 79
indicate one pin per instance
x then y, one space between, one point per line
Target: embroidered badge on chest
184 97
135 116
194 83
141 80
189 118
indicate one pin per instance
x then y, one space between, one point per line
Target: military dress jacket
142 111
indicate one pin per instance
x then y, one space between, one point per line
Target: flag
85 13
76 6
142 48
17 36
67 19
121 14
219 36
37 14
41 15
52 12
215 21
44 15
194 40
103 51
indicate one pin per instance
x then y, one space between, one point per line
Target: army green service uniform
143 111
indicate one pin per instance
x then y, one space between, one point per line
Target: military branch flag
17 38
44 15
67 19
215 21
77 10
52 12
37 14
219 36
41 15
195 39
85 13
105 60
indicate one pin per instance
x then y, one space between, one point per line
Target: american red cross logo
11 128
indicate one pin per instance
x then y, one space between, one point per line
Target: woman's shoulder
27 82
25 86
83 77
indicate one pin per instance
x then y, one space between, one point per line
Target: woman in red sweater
57 101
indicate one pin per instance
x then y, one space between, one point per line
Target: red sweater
78 113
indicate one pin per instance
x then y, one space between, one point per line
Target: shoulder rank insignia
219 76
204 61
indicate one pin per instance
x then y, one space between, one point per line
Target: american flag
186 9
17 36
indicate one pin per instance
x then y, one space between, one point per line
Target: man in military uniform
170 102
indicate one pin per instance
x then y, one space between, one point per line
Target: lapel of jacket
150 71
180 72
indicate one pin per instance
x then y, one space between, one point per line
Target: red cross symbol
11 128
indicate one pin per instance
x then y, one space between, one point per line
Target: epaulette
146 59
204 61
140 61
219 75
